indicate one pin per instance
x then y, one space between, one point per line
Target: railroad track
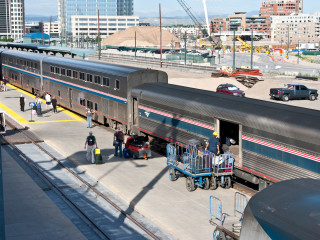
153 62
98 227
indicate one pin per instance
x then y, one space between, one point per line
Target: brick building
279 8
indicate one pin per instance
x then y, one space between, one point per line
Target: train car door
135 111
21 80
231 138
70 97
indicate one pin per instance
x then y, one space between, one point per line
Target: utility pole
288 44
135 45
281 46
50 29
185 48
234 51
160 36
251 45
99 44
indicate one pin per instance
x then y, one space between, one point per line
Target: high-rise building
279 8
68 8
12 19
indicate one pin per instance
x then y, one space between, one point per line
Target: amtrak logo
147 113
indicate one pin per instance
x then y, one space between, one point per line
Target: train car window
28 64
59 93
75 74
24 63
89 104
82 102
57 70
31 64
63 71
10 60
82 76
68 73
117 84
89 77
97 79
106 81
51 69
96 107
36 65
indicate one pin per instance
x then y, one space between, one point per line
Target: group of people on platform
36 109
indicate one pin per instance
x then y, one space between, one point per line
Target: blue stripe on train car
283 156
176 123
70 85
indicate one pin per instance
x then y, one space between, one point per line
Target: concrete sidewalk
144 184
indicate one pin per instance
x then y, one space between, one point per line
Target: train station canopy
146 37
52 50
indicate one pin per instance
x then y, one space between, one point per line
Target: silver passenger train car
78 84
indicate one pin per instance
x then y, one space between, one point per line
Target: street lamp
252 21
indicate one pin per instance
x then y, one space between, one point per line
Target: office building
69 8
53 29
12 19
87 26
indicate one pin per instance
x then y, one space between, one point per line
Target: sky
171 8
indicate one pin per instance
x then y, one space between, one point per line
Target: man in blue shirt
213 145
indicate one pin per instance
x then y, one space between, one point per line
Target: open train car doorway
230 137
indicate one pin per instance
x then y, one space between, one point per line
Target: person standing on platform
4 81
118 139
90 113
54 104
38 102
48 100
22 103
90 144
213 145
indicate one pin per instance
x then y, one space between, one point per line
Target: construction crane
196 21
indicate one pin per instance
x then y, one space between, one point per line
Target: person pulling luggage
118 141
213 145
90 145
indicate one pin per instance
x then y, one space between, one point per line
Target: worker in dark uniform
22 103
213 145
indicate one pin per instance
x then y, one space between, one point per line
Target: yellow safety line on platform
13 113
55 121
71 114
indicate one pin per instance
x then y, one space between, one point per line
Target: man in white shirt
48 100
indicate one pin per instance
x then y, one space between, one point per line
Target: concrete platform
143 184
29 213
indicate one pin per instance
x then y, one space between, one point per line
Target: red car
230 89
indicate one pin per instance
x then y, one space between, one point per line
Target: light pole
288 44
251 45
185 48
234 51
281 47
298 51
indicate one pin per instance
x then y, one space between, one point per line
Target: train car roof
289 209
279 119
27 55
107 68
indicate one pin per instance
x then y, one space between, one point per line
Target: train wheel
213 183
190 184
206 184
172 174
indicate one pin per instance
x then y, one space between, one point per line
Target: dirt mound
146 37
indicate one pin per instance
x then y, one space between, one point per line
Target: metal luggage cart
203 170
227 227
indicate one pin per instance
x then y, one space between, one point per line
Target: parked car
230 89
293 91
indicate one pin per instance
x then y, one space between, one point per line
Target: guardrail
153 62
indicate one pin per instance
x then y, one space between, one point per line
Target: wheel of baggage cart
206 184
213 183
227 182
172 174
190 185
